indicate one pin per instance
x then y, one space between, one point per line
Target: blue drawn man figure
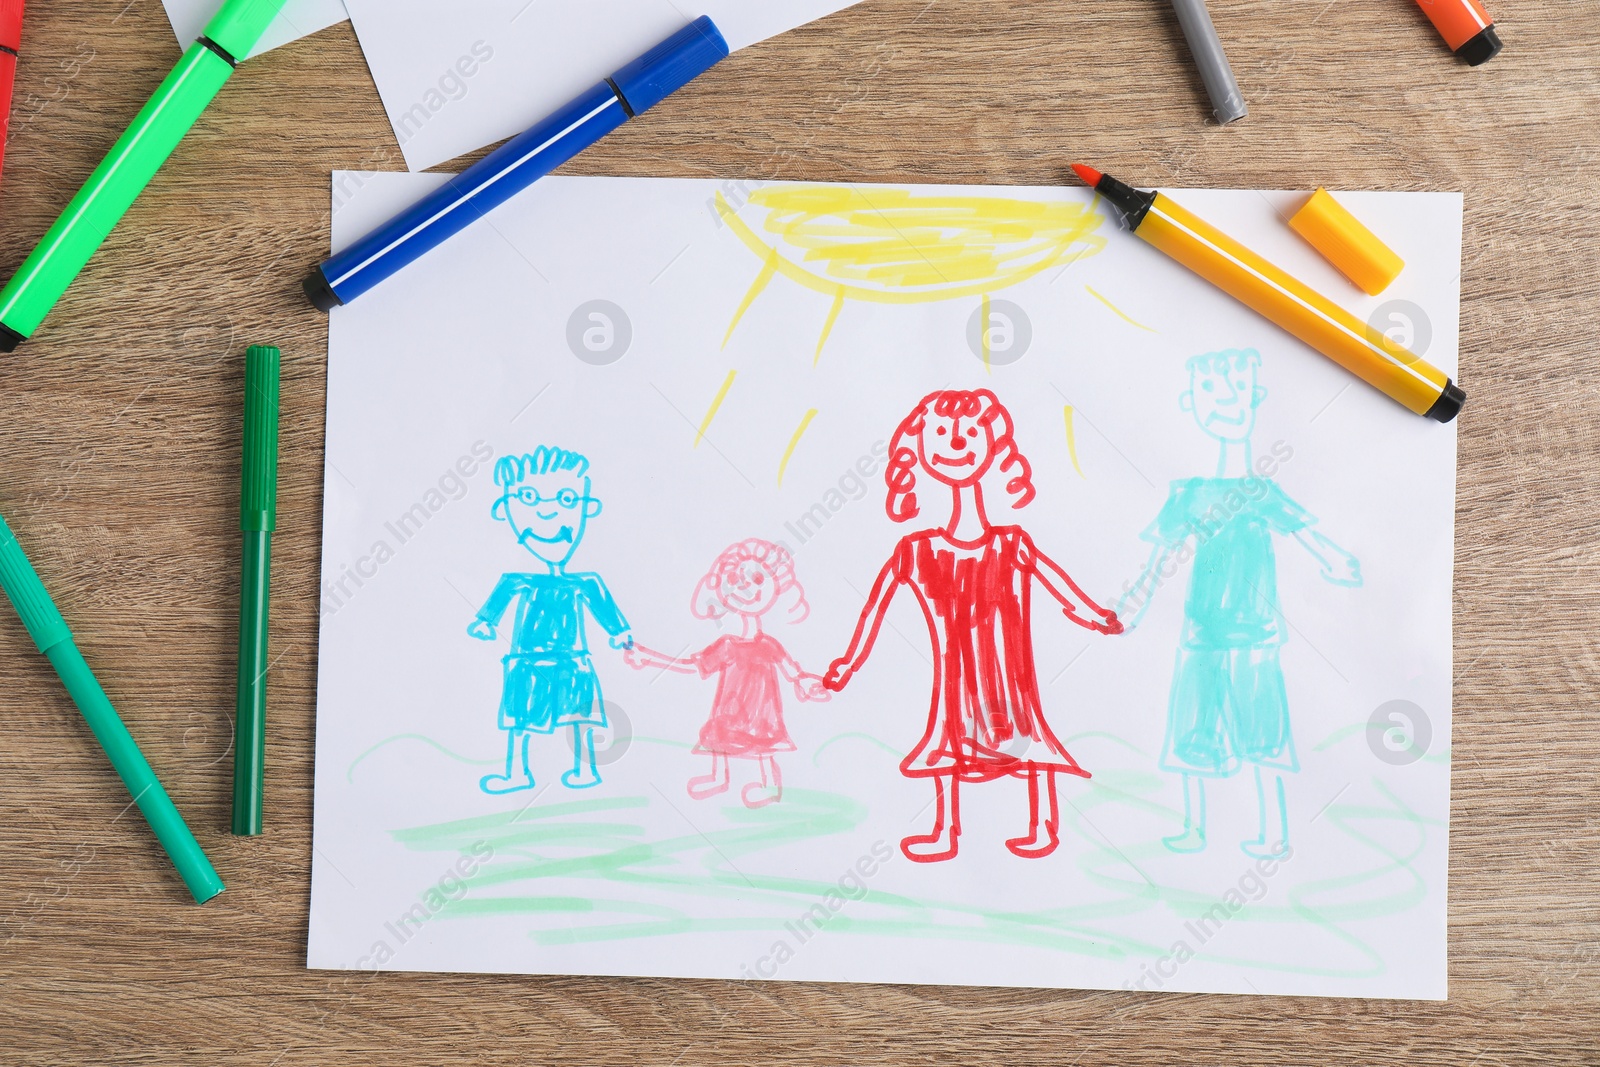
1228 705
549 678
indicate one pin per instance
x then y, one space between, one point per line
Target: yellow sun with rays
895 246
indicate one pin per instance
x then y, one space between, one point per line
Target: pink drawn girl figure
973 581
748 580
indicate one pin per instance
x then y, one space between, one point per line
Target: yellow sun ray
799 431
716 402
1072 442
1118 311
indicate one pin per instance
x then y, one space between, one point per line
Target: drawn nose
956 440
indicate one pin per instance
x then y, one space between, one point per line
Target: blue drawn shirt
1233 589
550 611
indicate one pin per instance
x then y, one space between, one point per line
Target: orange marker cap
1346 243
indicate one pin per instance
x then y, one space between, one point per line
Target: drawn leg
584 773
1043 835
767 791
709 785
1273 840
1193 838
510 782
941 844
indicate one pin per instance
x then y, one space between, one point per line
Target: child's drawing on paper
549 678
747 581
974 582
1228 704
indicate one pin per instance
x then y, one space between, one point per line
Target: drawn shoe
707 785
495 784
1031 847
1264 850
1191 840
756 795
579 779
929 848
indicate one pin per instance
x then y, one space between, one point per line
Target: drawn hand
1111 624
1341 568
623 640
810 687
839 674
483 631
635 659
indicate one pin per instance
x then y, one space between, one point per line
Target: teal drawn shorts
547 690
1228 707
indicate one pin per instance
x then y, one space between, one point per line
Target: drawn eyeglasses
567 498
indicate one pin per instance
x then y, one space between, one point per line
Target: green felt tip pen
49 632
258 517
119 179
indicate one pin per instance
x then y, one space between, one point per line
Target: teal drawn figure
549 679
1228 704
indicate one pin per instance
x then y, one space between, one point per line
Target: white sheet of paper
459 75
299 18
592 315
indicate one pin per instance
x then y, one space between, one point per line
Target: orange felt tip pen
1286 301
1465 26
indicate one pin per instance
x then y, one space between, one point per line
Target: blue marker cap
670 65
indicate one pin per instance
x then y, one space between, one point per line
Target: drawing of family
974 583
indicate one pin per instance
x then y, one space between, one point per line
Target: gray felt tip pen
1226 102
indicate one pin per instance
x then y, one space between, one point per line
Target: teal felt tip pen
52 637
130 165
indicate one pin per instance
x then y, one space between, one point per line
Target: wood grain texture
118 467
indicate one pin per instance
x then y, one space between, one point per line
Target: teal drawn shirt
550 611
1233 589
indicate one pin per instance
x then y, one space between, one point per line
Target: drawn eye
940 431
567 498
1209 386
528 496
758 578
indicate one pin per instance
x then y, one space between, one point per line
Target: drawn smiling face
549 513
748 587
1223 399
956 449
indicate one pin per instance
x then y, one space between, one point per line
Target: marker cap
670 65
1481 47
238 27
1341 238
11 24
258 489
27 594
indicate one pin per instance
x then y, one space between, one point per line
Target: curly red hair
980 405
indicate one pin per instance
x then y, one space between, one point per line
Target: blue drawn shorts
1228 707
547 690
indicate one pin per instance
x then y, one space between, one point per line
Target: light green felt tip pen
50 634
130 165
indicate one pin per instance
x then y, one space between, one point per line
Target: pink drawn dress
747 712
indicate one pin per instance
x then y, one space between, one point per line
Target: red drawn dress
985 720
747 712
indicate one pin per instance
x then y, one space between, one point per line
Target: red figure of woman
747 580
974 582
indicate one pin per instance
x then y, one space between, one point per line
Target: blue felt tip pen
517 164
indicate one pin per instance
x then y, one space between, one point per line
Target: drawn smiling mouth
564 536
965 461
1219 417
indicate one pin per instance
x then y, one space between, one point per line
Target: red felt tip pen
10 43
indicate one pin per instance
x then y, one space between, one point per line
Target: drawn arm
807 686
1338 566
867 625
605 611
1079 608
639 658
494 609
1137 599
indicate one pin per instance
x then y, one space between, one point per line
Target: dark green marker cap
22 585
258 489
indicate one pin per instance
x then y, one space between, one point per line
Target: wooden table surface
118 468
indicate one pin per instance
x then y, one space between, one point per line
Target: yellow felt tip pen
1289 303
